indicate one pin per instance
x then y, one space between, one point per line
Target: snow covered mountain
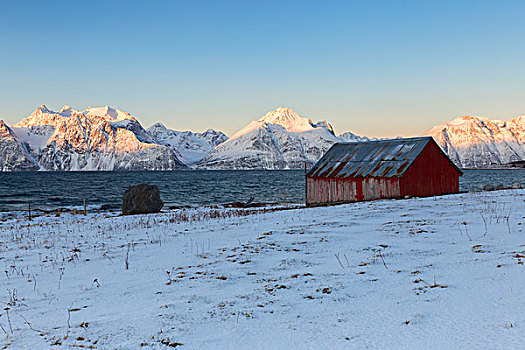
14 156
477 141
95 139
281 139
104 138
191 146
351 137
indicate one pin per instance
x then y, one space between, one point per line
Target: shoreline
115 211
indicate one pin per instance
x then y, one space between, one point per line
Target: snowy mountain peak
212 132
41 116
280 114
42 109
67 111
466 119
157 126
44 116
281 139
108 113
3 127
325 124
473 141
288 119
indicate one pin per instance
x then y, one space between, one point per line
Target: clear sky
378 68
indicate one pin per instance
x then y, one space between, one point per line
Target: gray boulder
516 186
141 199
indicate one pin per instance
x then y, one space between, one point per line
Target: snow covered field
443 272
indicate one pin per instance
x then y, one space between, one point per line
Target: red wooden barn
358 171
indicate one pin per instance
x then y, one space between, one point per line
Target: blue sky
379 68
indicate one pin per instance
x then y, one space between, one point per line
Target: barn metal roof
383 158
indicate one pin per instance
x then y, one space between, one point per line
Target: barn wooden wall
430 174
329 190
380 187
332 190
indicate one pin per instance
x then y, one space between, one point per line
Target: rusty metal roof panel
384 158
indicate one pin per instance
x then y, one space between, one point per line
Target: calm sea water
52 190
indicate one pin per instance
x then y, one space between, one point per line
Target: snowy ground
442 272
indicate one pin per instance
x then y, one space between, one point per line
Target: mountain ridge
95 139
105 138
191 146
477 142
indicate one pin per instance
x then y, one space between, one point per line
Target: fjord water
52 190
